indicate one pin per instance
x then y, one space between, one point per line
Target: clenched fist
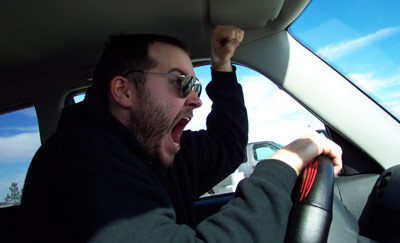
224 41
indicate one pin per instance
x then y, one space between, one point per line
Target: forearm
227 124
219 150
260 208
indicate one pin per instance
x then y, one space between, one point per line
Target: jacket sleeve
71 197
209 156
258 212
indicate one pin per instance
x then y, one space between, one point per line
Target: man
120 168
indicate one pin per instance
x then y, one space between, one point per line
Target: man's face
160 113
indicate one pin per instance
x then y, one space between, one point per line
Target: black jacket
92 180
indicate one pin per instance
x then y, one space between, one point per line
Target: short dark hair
123 53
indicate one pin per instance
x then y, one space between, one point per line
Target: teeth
187 118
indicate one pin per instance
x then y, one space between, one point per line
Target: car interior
49 50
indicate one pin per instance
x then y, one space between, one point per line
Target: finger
226 33
224 41
337 161
236 36
334 151
239 35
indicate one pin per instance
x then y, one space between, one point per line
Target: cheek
176 107
165 95
170 103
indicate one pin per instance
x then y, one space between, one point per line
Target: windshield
359 38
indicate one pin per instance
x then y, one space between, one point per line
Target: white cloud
395 109
370 83
392 103
283 131
19 148
22 129
273 114
199 115
337 50
366 81
385 89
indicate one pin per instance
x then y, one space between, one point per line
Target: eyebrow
176 69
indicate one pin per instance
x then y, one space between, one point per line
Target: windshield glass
359 38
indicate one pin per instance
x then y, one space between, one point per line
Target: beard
151 122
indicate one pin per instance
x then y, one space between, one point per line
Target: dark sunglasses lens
186 85
197 89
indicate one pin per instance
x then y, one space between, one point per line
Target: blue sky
360 38
19 140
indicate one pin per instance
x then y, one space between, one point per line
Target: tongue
177 131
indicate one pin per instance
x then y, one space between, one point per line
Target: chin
166 160
165 155
166 163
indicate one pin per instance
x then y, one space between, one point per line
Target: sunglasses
186 83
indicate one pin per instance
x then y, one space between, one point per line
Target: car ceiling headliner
52 46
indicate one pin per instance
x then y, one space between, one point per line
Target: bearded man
120 168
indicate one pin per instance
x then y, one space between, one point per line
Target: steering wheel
311 214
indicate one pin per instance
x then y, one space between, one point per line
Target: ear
121 91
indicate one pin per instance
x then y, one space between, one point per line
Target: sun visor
253 14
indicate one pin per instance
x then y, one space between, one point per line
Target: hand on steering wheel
304 150
320 159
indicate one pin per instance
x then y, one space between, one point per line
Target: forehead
169 57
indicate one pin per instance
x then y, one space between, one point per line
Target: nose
193 100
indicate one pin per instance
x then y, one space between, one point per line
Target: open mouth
178 129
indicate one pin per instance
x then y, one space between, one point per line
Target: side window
19 141
263 151
75 97
79 97
275 119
